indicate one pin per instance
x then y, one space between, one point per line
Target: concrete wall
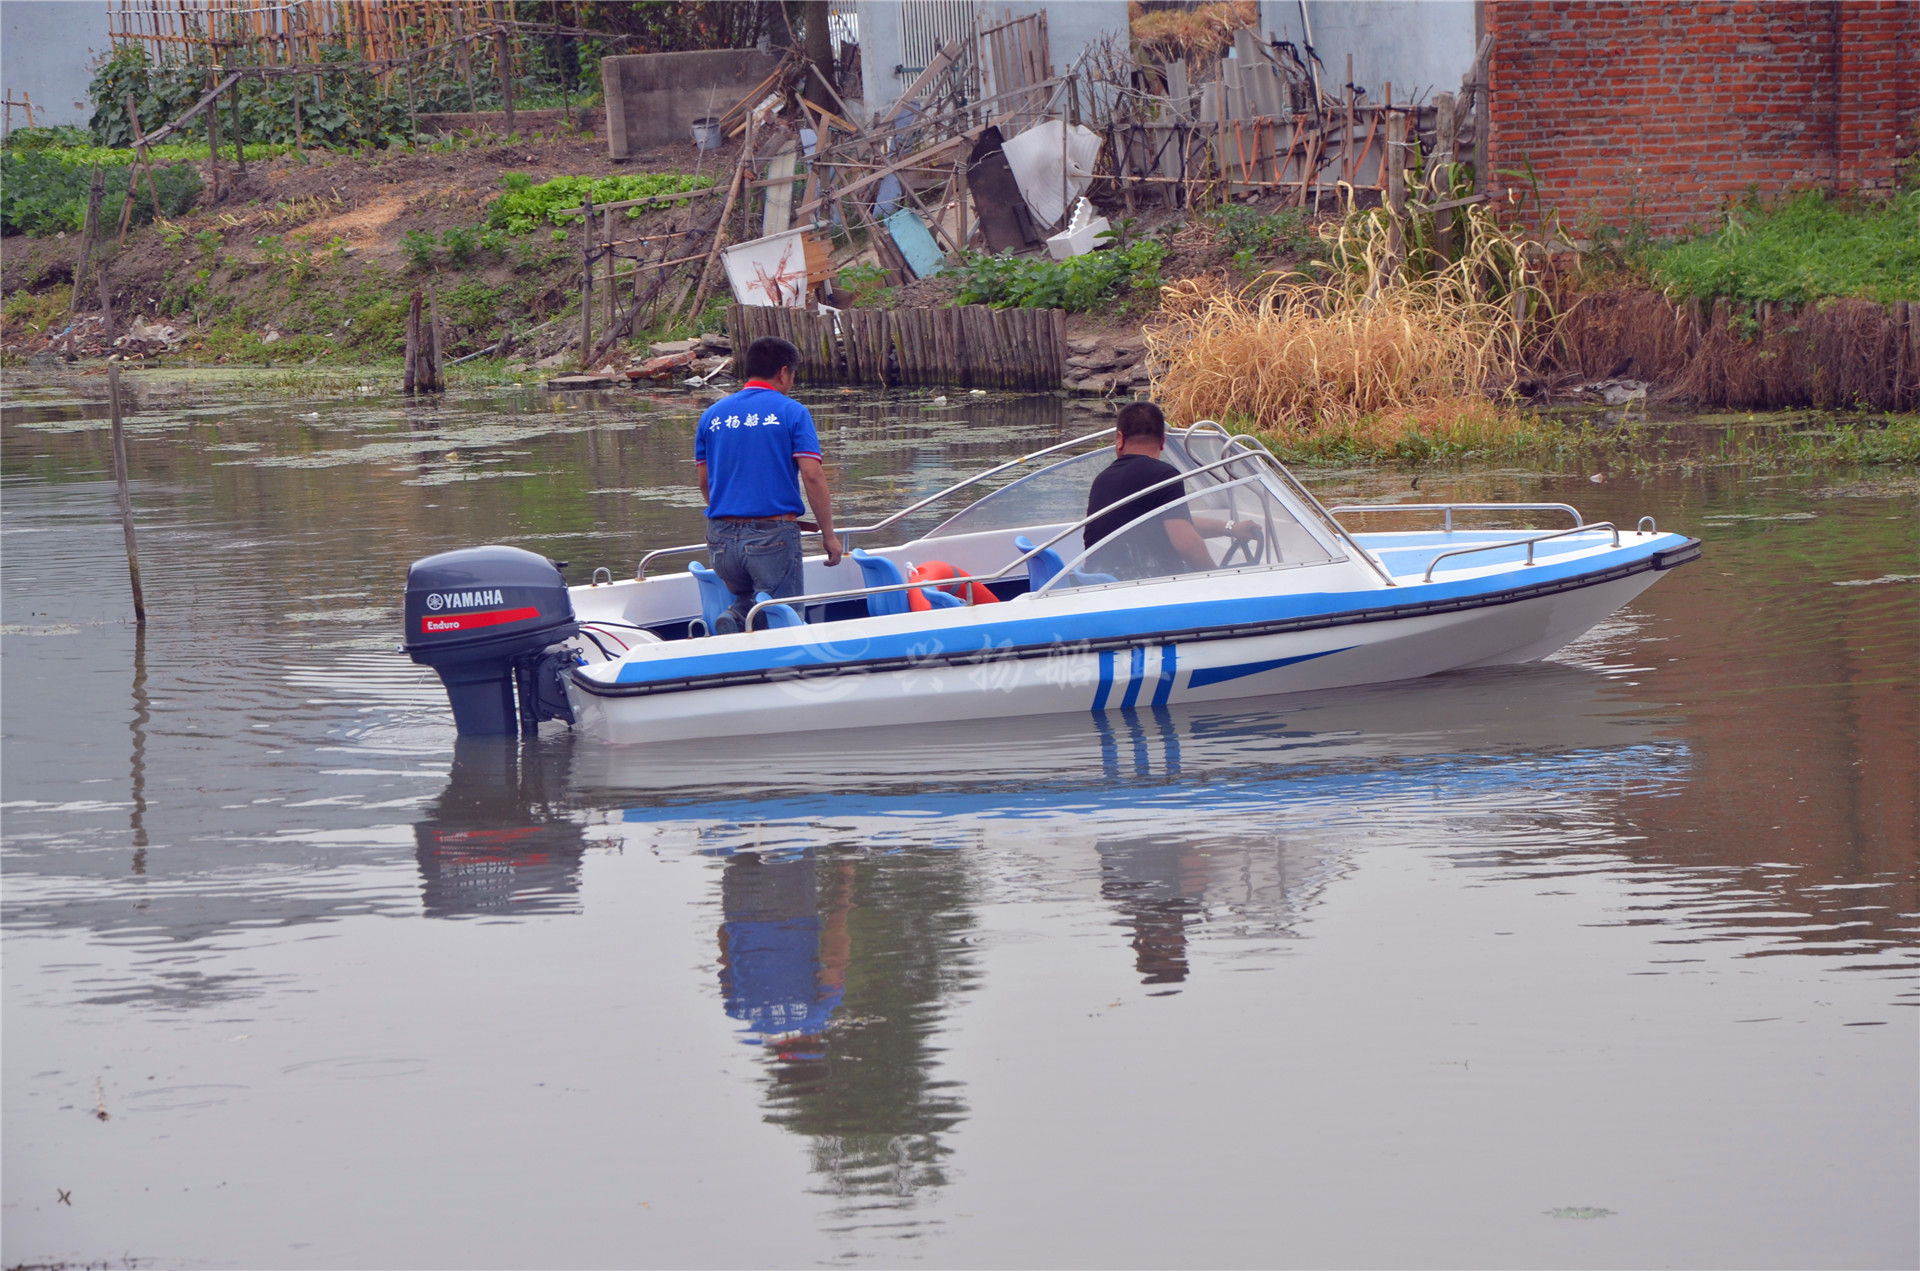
653 98
48 49
1071 29
1666 112
1419 46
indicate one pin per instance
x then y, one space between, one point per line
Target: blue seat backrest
715 599
878 571
1042 566
778 615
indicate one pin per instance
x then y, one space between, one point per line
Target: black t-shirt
1118 491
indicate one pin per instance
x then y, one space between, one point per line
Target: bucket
706 133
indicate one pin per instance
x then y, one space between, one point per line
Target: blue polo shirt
749 441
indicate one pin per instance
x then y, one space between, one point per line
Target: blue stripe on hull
1136 673
1106 680
1222 674
1169 664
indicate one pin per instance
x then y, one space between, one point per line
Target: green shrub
1080 284
524 206
459 243
418 246
42 194
1804 248
1250 234
865 285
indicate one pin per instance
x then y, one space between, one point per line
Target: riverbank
310 262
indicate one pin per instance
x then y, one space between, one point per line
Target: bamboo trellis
294 32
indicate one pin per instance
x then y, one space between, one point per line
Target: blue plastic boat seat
1041 567
878 571
941 600
715 599
777 615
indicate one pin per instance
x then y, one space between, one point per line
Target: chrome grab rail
1451 508
846 535
858 592
1646 526
1518 542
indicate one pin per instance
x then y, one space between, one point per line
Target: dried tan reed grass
1364 346
1837 355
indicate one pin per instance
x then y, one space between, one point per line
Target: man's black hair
768 356
1141 419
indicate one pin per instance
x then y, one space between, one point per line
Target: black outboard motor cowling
483 617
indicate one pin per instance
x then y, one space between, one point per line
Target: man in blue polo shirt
756 449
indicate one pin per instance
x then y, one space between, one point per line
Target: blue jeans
754 556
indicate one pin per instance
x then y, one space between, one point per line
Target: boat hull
1403 636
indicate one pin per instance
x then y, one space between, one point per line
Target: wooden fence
970 346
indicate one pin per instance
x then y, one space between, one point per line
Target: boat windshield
1054 495
1268 535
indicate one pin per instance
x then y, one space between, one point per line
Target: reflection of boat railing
846 535
1526 542
1020 561
1448 509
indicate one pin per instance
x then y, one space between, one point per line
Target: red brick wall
1672 109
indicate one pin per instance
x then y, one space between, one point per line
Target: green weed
1800 249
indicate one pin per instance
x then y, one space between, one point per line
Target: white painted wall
48 48
1420 46
1072 26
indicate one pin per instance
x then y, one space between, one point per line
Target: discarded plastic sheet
1035 157
1081 235
916 243
770 272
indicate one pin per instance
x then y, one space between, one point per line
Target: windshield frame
1067 570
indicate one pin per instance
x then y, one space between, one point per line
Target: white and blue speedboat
1306 604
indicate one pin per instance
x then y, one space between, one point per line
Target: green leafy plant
524 206
1079 284
459 244
1250 234
1804 248
418 246
865 284
42 194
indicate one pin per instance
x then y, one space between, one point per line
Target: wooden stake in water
126 500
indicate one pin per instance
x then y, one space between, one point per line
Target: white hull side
1082 680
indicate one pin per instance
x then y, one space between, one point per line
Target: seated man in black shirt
1173 545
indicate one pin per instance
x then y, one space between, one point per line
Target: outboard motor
483 617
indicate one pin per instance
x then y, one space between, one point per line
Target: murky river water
1606 961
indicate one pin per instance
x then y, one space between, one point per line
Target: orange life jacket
935 571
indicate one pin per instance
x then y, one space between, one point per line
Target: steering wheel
1253 550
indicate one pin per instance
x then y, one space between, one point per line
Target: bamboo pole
122 495
587 262
96 189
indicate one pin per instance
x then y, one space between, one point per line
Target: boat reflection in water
850 923
500 838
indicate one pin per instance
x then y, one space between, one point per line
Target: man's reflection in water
1158 884
783 956
499 839
842 967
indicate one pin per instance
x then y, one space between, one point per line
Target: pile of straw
1366 347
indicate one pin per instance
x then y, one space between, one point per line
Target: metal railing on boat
1450 508
1523 542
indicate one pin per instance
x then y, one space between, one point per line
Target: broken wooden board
1004 220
